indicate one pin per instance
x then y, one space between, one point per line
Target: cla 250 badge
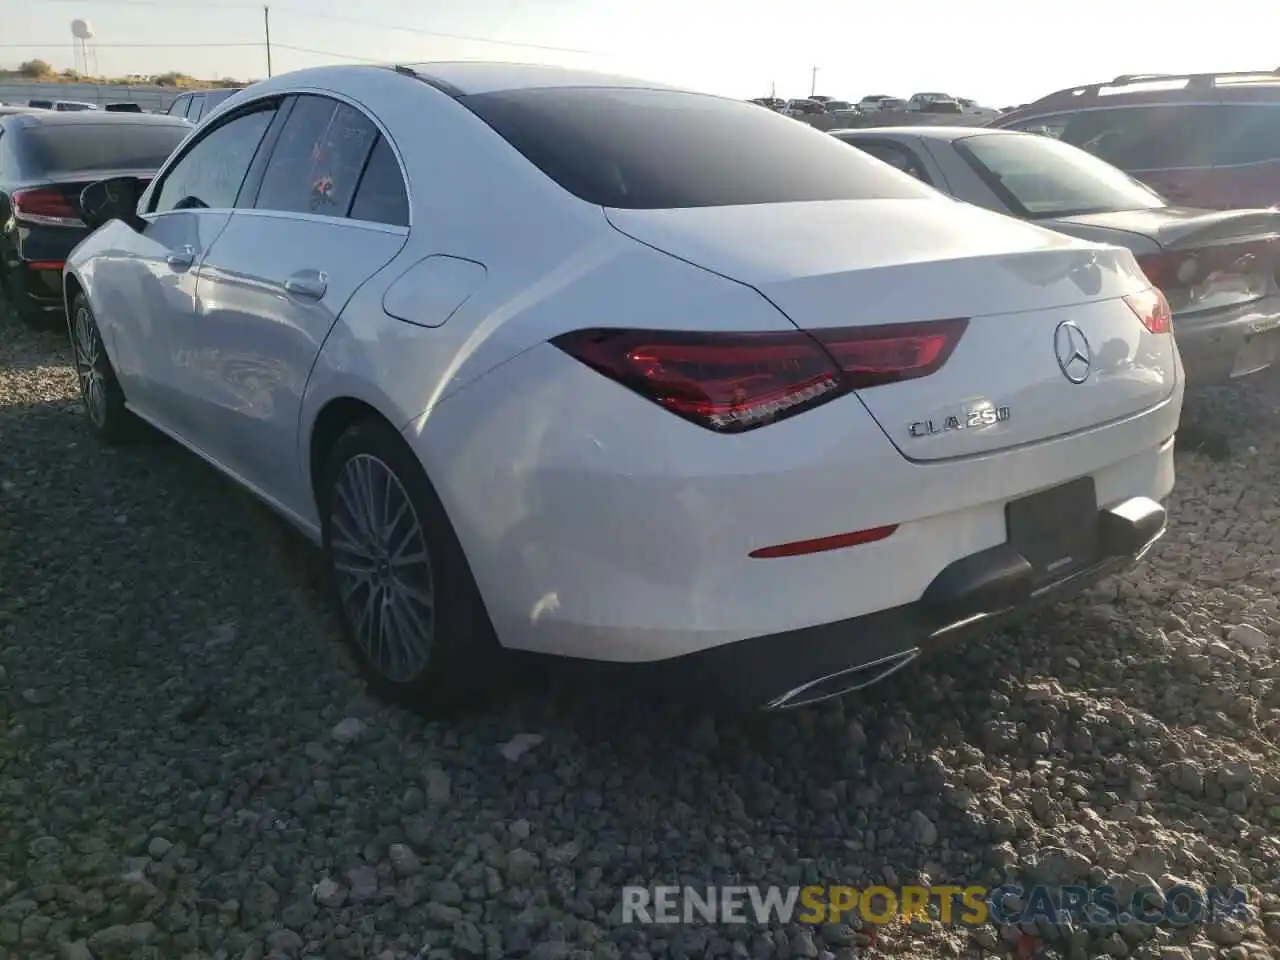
987 415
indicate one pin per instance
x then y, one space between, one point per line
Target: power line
327 53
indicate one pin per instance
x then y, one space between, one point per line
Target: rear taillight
731 382
1152 309
874 356
1176 270
45 205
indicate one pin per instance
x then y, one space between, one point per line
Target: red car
1202 140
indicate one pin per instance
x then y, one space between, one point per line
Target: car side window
381 196
316 164
1251 134
1044 126
210 173
1159 137
197 108
179 106
896 155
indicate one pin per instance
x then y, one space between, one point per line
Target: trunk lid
1208 259
870 262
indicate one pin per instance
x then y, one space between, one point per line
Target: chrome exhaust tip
843 681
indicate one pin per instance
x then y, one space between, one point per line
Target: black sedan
46 159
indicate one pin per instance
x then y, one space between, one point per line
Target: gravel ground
190 768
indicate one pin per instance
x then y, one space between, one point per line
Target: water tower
86 54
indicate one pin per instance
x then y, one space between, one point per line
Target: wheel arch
71 288
337 416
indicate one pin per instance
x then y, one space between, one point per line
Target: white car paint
596 523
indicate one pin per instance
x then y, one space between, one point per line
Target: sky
999 52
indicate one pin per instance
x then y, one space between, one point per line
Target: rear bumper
971 596
1224 344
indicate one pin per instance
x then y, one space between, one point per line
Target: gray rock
349 730
404 861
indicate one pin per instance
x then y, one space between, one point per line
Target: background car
804 107
46 159
125 107
974 109
73 106
1207 140
526 406
1219 270
881 103
918 101
197 104
938 105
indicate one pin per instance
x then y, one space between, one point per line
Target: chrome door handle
310 288
183 257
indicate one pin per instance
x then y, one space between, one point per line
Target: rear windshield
77 147
660 149
1038 177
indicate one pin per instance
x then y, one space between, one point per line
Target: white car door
149 285
330 210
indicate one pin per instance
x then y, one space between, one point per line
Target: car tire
449 659
104 403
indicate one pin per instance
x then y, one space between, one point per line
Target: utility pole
773 90
813 82
266 24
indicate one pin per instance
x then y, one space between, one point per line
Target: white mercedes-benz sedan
572 364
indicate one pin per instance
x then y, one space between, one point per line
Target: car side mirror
113 199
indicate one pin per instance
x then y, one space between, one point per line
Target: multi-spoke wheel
405 593
382 568
99 389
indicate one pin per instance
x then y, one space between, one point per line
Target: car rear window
1038 177
644 149
76 147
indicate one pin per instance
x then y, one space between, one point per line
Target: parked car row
540 368
932 103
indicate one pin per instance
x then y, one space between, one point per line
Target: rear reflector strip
800 548
45 264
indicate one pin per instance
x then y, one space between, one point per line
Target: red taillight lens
726 382
874 356
44 204
730 382
1152 309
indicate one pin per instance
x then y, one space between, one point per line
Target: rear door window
896 155
646 149
179 106
1161 137
318 160
1250 134
196 110
381 196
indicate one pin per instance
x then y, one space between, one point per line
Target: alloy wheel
91 367
382 568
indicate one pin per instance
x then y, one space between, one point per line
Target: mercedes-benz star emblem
1075 356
